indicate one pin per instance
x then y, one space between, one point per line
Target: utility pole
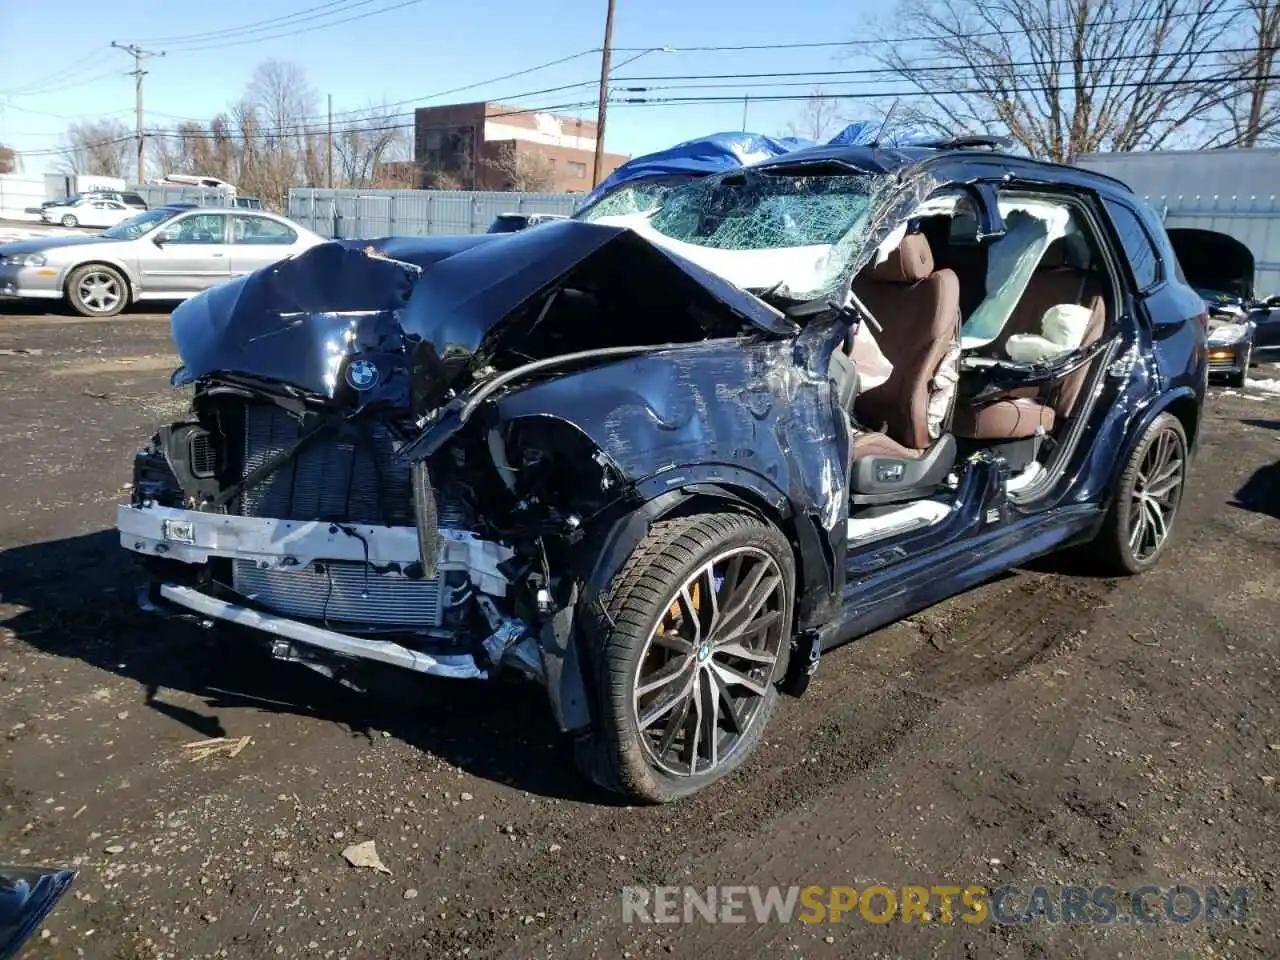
330 142
138 73
605 54
746 98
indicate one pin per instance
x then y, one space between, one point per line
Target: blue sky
57 69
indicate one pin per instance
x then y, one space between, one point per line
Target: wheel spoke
709 694
732 712
675 723
744 612
731 677
695 738
691 614
1171 469
710 602
1161 491
673 642
762 622
1138 521
741 652
743 591
1159 528
668 673
665 706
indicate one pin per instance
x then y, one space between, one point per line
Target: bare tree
102 147
365 146
816 117
528 171
1254 109
8 159
1065 77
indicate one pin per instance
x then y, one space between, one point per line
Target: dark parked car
1221 270
659 462
1265 317
132 200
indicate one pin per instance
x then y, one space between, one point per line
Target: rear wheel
1140 521
685 680
97 290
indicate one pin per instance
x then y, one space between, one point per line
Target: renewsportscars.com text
941 903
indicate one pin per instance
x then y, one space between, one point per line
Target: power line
951 67
714 100
244 27
306 125
883 94
57 76
220 45
882 41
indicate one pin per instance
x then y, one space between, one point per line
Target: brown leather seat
919 312
1024 413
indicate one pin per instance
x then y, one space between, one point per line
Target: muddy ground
1051 727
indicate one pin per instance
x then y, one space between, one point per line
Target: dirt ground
1051 727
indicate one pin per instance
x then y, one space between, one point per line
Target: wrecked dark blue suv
659 457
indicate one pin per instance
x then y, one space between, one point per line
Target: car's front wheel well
733 499
1187 410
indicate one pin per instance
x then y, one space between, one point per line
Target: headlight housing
25 260
1229 333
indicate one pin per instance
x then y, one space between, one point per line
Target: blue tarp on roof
720 152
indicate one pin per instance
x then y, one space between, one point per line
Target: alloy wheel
99 292
708 664
1157 489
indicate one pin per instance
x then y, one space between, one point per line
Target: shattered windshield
762 211
639 196
790 233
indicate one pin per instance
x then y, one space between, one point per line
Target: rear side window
1137 243
260 230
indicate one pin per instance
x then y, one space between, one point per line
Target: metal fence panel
1254 221
157 196
351 214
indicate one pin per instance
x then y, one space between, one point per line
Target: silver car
163 254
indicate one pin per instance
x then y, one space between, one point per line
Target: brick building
489 146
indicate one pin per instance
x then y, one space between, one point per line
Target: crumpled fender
754 419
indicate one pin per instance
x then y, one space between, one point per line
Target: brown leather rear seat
1025 413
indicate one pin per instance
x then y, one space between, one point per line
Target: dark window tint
133 198
1139 249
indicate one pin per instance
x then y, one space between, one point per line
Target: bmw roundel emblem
362 375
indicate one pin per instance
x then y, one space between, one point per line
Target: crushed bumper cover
195 538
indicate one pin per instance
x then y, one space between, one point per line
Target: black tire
69 220
671 563
1115 544
94 276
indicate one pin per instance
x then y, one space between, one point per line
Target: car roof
950 164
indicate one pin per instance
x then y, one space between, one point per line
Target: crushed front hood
437 305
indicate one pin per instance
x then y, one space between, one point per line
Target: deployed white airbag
1062 330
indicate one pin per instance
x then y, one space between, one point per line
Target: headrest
910 262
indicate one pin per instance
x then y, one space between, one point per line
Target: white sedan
89 213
